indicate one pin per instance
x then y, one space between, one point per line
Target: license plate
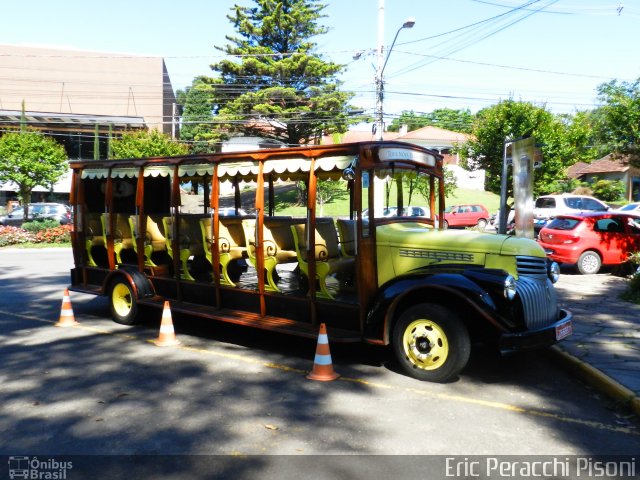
564 330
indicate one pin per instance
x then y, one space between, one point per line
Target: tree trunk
25 196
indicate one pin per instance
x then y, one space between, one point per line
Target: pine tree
277 87
198 103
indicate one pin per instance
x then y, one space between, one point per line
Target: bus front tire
431 343
123 303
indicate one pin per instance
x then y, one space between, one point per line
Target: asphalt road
104 389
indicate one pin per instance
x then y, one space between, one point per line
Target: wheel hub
423 346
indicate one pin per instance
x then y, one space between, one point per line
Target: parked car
590 240
466 216
231 211
550 206
409 211
630 208
37 211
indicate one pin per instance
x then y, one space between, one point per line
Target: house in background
443 141
609 168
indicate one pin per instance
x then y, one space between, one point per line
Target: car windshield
560 223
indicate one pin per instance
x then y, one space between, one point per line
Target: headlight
509 287
553 271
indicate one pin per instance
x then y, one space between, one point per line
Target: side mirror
349 174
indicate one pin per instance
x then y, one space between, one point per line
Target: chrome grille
539 301
532 266
537 293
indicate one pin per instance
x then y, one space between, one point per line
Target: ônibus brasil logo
37 469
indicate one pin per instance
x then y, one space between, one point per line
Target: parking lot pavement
605 346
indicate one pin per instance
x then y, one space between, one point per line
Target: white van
548 206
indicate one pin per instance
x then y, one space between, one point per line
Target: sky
460 54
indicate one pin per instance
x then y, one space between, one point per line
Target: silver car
38 211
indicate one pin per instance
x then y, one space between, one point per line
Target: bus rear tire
123 302
431 343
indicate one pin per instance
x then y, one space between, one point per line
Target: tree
449 119
278 88
142 144
511 119
618 120
608 190
30 159
580 135
423 187
328 190
198 104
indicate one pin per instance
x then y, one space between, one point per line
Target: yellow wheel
431 343
124 308
425 344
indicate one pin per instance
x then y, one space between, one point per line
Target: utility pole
382 63
379 125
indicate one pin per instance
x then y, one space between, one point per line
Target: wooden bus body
289 238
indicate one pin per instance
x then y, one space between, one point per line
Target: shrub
59 234
14 236
35 226
608 190
632 293
583 190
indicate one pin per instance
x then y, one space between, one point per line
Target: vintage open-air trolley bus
251 238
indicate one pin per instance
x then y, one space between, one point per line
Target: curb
598 380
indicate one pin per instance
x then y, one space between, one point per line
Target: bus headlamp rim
509 287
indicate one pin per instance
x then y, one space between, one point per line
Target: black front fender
458 291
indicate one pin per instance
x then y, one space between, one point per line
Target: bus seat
347 234
185 253
122 236
94 236
148 248
155 236
328 259
228 249
273 253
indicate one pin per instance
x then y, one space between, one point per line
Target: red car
590 240
466 216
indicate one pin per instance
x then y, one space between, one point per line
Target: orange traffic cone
167 336
322 365
67 318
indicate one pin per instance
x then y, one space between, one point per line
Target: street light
409 23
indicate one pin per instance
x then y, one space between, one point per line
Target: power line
472 41
509 67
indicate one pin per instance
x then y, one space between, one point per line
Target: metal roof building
77 97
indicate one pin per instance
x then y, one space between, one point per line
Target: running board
254 320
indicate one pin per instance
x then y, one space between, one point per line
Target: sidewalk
605 346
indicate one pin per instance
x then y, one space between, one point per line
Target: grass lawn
488 199
285 197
